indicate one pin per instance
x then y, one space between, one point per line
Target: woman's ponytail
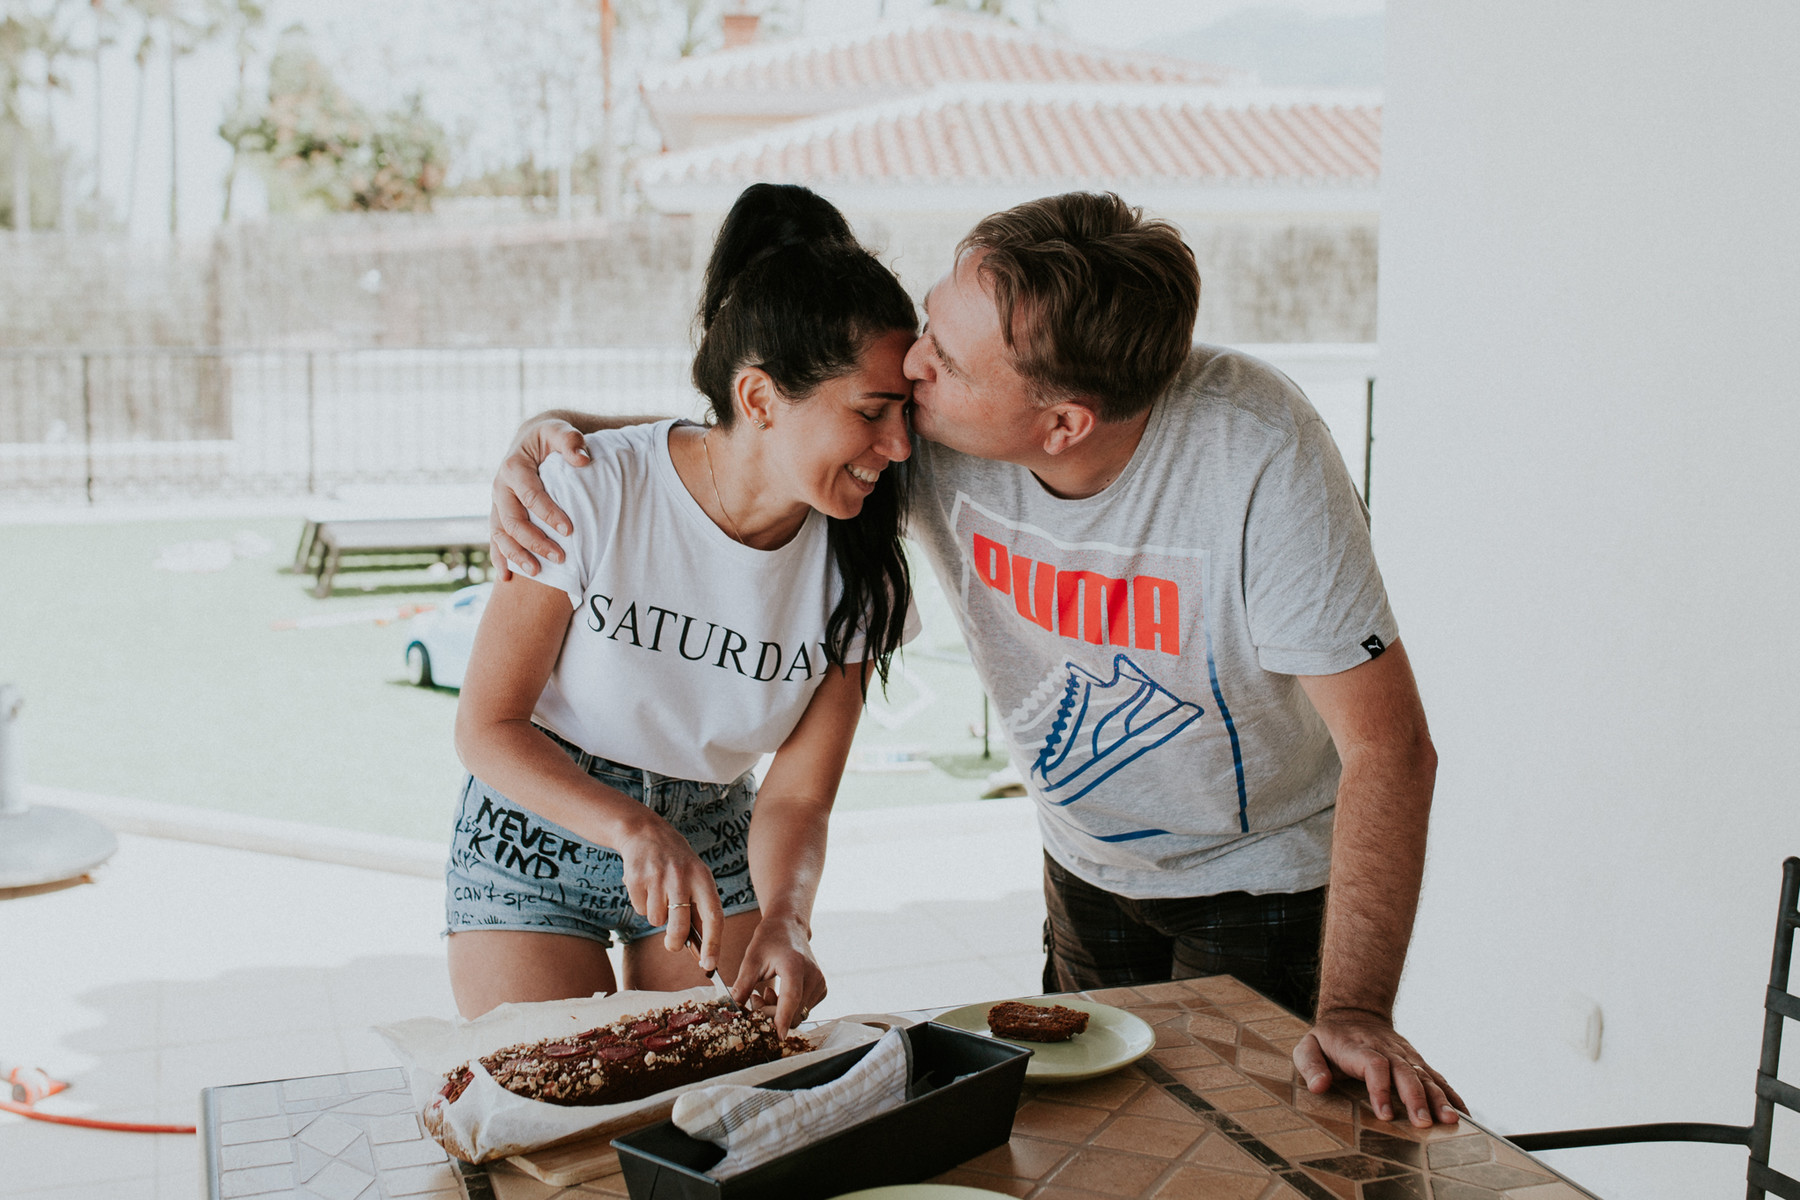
790 291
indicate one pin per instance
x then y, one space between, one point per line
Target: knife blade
693 941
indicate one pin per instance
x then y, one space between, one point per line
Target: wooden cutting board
589 1156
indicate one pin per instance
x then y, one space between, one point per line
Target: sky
382 49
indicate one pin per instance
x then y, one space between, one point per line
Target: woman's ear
753 395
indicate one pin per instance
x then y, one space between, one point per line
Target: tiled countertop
1212 1113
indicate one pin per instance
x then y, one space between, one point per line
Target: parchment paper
488 1122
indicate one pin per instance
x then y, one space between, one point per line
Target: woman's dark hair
790 291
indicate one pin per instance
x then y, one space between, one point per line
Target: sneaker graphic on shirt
1101 725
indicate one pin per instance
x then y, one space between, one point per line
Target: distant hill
1289 48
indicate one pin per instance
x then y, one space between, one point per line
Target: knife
693 941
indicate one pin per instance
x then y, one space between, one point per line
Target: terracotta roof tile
989 134
933 48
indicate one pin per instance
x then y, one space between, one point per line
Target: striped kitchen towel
756 1124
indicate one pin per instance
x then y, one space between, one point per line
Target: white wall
1587 506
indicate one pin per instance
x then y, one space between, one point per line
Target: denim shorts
511 869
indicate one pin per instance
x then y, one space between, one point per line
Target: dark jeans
1095 939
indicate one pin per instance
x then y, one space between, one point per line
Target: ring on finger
681 904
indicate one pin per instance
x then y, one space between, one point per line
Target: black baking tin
926 1136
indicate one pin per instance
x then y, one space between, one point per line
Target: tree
33 41
322 151
241 19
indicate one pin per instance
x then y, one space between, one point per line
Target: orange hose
25 1110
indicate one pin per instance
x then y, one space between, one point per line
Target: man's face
966 393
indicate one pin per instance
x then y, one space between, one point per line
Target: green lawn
179 687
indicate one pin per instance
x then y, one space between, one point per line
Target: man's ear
753 393
1069 424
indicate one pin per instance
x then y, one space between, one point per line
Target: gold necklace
735 531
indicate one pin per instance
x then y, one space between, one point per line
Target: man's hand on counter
1363 1045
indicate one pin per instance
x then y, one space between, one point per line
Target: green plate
919 1191
1113 1038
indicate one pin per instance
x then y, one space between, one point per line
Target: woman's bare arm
516 647
787 846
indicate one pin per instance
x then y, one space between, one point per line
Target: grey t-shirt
1140 645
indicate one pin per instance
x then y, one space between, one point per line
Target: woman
725 592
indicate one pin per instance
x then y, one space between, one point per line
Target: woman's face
837 441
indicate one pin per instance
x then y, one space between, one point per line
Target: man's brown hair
1097 305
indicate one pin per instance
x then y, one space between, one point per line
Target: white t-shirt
689 654
1141 645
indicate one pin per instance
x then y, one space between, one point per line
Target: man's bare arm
1377 862
513 541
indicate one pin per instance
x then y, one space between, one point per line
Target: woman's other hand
669 885
780 958
513 541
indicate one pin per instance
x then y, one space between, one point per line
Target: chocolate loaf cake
634 1057
1036 1022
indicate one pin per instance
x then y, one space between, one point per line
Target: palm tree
141 59
28 39
242 18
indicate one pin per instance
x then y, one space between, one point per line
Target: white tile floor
186 966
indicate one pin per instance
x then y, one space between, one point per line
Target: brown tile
1265 1010
1209 1078
1220 1153
1451 1189
1458 1151
1237 1099
1497 1176
1168 1036
1227 1051
1331 1104
1156 1014
1146 1135
1020 1158
1343 1189
1263 1062
1186 1056
1249 1037
1062 1193
1285 1028
1192 1183
1057 1122
965 1178
1110 1092
1506 1152
1341 1130
1280 1089
1400 1187
1400 1127
1221 989
1392 1148
1118 997
1165 993
1300 1143
1154 1102
1109 1172
1212 1027
1272 1120
1358 1167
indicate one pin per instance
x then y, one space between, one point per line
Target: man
1164 577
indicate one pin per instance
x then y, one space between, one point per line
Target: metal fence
116 425
104 425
